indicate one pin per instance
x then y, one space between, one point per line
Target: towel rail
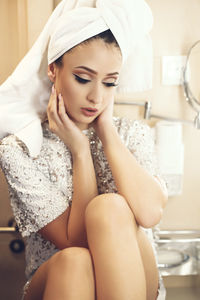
180 236
147 112
8 229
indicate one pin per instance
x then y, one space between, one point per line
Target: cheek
68 90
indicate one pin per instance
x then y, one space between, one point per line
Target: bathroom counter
183 293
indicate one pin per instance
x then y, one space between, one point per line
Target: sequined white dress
41 188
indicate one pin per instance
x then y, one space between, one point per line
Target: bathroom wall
175 38
176 28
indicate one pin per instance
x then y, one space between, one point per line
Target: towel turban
24 95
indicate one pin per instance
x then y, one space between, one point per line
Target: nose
95 95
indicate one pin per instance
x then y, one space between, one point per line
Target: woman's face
87 80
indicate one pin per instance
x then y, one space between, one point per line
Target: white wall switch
172 70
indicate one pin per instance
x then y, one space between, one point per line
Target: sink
178 252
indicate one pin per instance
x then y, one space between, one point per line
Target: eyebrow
94 72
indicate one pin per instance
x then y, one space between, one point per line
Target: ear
52 72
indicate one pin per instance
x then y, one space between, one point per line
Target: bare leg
66 275
150 267
113 235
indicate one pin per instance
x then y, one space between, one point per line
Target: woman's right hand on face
63 126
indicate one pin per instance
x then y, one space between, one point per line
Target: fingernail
60 96
53 89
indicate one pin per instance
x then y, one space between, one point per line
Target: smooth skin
104 254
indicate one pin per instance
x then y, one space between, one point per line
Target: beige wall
176 28
20 24
9 42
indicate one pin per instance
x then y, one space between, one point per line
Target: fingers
56 112
52 111
53 100
61 110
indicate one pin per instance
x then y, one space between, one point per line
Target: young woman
84 201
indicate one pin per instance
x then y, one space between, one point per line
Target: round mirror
191 80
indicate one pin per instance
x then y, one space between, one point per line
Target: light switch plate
172 69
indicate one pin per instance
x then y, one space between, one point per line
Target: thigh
61 259
149 263
36 286
106 208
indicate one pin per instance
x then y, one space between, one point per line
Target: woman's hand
63 126
102 123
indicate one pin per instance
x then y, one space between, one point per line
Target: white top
41 188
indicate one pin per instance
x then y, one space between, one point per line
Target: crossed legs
118 265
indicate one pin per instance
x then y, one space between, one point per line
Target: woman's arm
143 193
69 228
85 188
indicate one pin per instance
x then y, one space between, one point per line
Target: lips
88 111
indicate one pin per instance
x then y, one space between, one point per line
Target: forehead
95 54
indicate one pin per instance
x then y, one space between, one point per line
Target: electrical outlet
172 70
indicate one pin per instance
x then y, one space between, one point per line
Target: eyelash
84 81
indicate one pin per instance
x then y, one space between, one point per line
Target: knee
75 257
107 208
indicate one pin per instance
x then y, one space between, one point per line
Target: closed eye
109 84
84 81
81 80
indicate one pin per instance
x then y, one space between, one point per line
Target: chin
82 121
81 124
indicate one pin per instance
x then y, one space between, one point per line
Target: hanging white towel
170 152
